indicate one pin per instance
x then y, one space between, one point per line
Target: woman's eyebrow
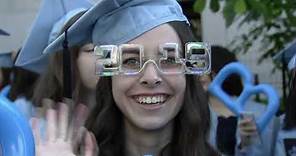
170 50
131 50
87 48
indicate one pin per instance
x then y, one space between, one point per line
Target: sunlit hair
191 125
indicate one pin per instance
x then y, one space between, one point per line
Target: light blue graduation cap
287 53
49 23
119 21
5 60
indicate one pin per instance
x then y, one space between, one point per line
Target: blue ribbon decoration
237 106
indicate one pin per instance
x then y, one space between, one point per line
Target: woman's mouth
151 102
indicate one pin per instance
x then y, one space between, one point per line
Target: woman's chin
150 124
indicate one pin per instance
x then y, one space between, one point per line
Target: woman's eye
131 62
170 60
88 50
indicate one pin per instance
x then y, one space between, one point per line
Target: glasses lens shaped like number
107 60
129 59
197 58
170 61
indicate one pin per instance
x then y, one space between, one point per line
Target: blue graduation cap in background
287 53
287 57
51 18
292 63
119 21
6 60
4 33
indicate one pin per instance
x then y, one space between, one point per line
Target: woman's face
150 99
86 66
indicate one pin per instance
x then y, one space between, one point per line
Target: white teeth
154 99
151 99
148 100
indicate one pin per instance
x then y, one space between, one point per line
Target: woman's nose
150 76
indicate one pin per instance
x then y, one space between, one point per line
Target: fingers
81 112
58 128
51 125
247 130
63 121
76 144
85 143
90 143
247 126
51 118
245 123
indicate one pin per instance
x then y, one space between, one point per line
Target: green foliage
228 12
215 5
199 5
273 22
240 6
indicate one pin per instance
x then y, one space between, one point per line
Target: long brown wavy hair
50 84
191 125
6 76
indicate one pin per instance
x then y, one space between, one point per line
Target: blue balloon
237 106
5 91
16 137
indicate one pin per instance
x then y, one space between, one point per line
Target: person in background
51 85
21 88
232 133
286 137
5 69
48 94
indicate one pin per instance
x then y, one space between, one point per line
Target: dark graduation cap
4 33
287 53
288 57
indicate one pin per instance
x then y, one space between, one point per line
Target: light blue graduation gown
284 134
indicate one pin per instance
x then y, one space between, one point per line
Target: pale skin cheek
86 67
